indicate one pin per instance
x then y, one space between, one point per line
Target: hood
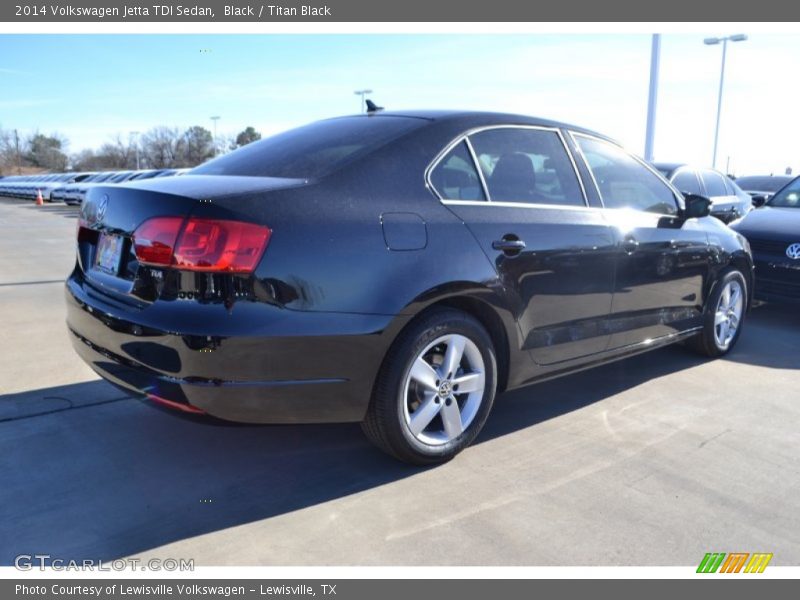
771 223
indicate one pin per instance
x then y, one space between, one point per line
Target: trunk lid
111 214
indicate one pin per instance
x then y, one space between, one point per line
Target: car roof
473 119
669 166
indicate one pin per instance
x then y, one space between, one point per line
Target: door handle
630 244
510 246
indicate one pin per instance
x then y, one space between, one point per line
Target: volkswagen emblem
102 206
793 251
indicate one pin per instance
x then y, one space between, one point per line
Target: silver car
728 201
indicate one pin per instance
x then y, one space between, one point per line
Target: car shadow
90 472
55 208
770 337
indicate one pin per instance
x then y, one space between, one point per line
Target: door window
715 185
527 165
686 181
624 182
456 178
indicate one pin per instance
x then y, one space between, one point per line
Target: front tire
434 390
724 316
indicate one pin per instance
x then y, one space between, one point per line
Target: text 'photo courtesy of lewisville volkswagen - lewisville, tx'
385 299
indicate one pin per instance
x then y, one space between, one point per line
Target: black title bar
441 11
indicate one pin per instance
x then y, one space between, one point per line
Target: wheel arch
481 303
742 262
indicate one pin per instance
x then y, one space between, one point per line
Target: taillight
154 240
195 244
230 246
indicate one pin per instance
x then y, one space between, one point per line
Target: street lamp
739 37
362 93
136 137
215 119
652 97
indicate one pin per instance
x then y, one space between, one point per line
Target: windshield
762 184
788 197
311 151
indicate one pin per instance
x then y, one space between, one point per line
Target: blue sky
91 87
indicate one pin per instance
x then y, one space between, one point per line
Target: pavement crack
71 406
713 437
43 282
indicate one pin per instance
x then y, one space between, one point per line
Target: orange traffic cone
39 199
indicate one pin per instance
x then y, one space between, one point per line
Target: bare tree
160 147
85 160
117 154
7 151
14 151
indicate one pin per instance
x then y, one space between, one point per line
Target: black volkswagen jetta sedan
396 269
774 235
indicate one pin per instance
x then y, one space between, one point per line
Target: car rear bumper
258 364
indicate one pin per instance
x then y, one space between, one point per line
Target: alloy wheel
728 315
444 390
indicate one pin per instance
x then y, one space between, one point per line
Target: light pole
215 119
652 97
136 137
738 37
361 93
16 146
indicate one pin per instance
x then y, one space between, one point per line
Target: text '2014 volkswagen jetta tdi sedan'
396 270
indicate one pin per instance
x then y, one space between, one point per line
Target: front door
553 253
663 261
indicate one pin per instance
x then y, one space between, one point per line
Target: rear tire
724 316
434 390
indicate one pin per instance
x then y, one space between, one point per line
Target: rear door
553 253
662 261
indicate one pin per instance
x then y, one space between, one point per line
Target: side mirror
759 201
696 206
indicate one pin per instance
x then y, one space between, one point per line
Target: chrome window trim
465 136
722 177
677 196
505 204
683 169
477 165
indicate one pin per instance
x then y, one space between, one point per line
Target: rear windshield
311 151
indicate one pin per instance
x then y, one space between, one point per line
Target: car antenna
372 107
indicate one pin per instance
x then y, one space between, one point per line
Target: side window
456 178
735 190
686 181
715 185
526 165
624 182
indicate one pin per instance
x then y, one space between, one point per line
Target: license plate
109 253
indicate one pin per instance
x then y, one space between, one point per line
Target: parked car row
772 232
27 187
71 187
728 200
